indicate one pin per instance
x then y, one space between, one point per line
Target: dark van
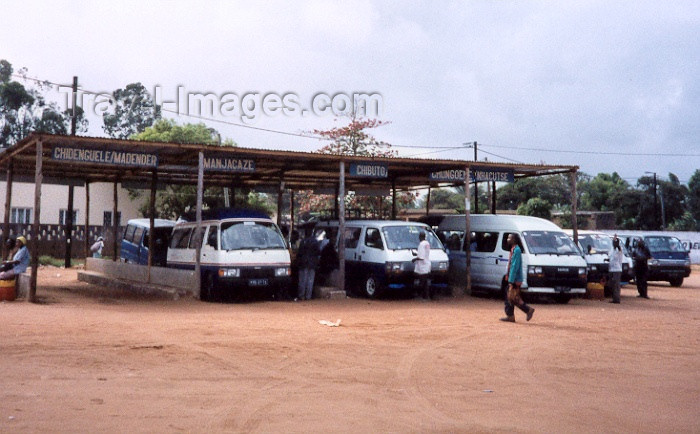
134 247
669 262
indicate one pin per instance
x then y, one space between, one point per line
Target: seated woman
20 260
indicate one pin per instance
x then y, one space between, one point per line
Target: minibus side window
138 234
177 236
129 233
484 241
504 241
373 238
184 239
352 237
193 240
213 237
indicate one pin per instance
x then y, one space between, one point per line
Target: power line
566 151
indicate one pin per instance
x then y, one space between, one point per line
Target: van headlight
533 270
442 265
229 272
653 262
394 267
283 271
686 263
582 271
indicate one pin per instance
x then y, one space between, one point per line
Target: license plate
257 282
562 288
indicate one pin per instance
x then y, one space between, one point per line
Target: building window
21 215
107 220
63 213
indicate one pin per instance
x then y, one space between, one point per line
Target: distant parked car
134 246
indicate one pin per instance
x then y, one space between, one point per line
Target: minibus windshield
664 244
549 243
596 243
406 237
250 235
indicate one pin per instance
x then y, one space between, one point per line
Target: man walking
616 257
515 280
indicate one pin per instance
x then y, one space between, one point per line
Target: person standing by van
97 247
616 258
422 266
641 255
308 255
515 280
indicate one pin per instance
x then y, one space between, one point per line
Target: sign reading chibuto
369 170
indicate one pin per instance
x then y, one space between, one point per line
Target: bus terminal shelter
79 161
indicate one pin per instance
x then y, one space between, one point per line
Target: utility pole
476 186
656 202
69 212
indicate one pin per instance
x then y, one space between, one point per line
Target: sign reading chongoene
369 170
229 163
103 156
475 175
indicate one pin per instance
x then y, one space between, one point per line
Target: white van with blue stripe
241 251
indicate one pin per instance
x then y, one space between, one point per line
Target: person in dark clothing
641 255
328 263
515 279
308 257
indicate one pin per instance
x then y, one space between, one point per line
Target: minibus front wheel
371 287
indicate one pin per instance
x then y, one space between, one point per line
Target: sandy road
84 360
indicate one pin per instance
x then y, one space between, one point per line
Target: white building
54 204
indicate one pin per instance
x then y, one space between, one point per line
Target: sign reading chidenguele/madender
103 156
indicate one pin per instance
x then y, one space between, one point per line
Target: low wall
181 279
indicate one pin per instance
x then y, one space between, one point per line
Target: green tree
176 200
536 207
555 189
686 222
25 110
134 111
694 196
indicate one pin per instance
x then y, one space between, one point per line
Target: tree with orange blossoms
354 139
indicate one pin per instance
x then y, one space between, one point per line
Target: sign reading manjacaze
476 174
225 163
104 156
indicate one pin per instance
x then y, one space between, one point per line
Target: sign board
104 156
476 174
225 163
369 170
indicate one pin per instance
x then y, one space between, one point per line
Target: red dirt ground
85 360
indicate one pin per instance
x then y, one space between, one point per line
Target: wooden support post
493 197
200 193
8 210
427 203
280 196
574 201
87 219
341 227
151 220
115 222
38 178
68 227
468 230
291 218
393 199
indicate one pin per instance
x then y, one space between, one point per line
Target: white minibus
552 264
241 251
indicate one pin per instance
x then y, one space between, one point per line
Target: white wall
55 198
690 240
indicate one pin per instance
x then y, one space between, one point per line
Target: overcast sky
599 77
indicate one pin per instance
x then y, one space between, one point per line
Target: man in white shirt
422 267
